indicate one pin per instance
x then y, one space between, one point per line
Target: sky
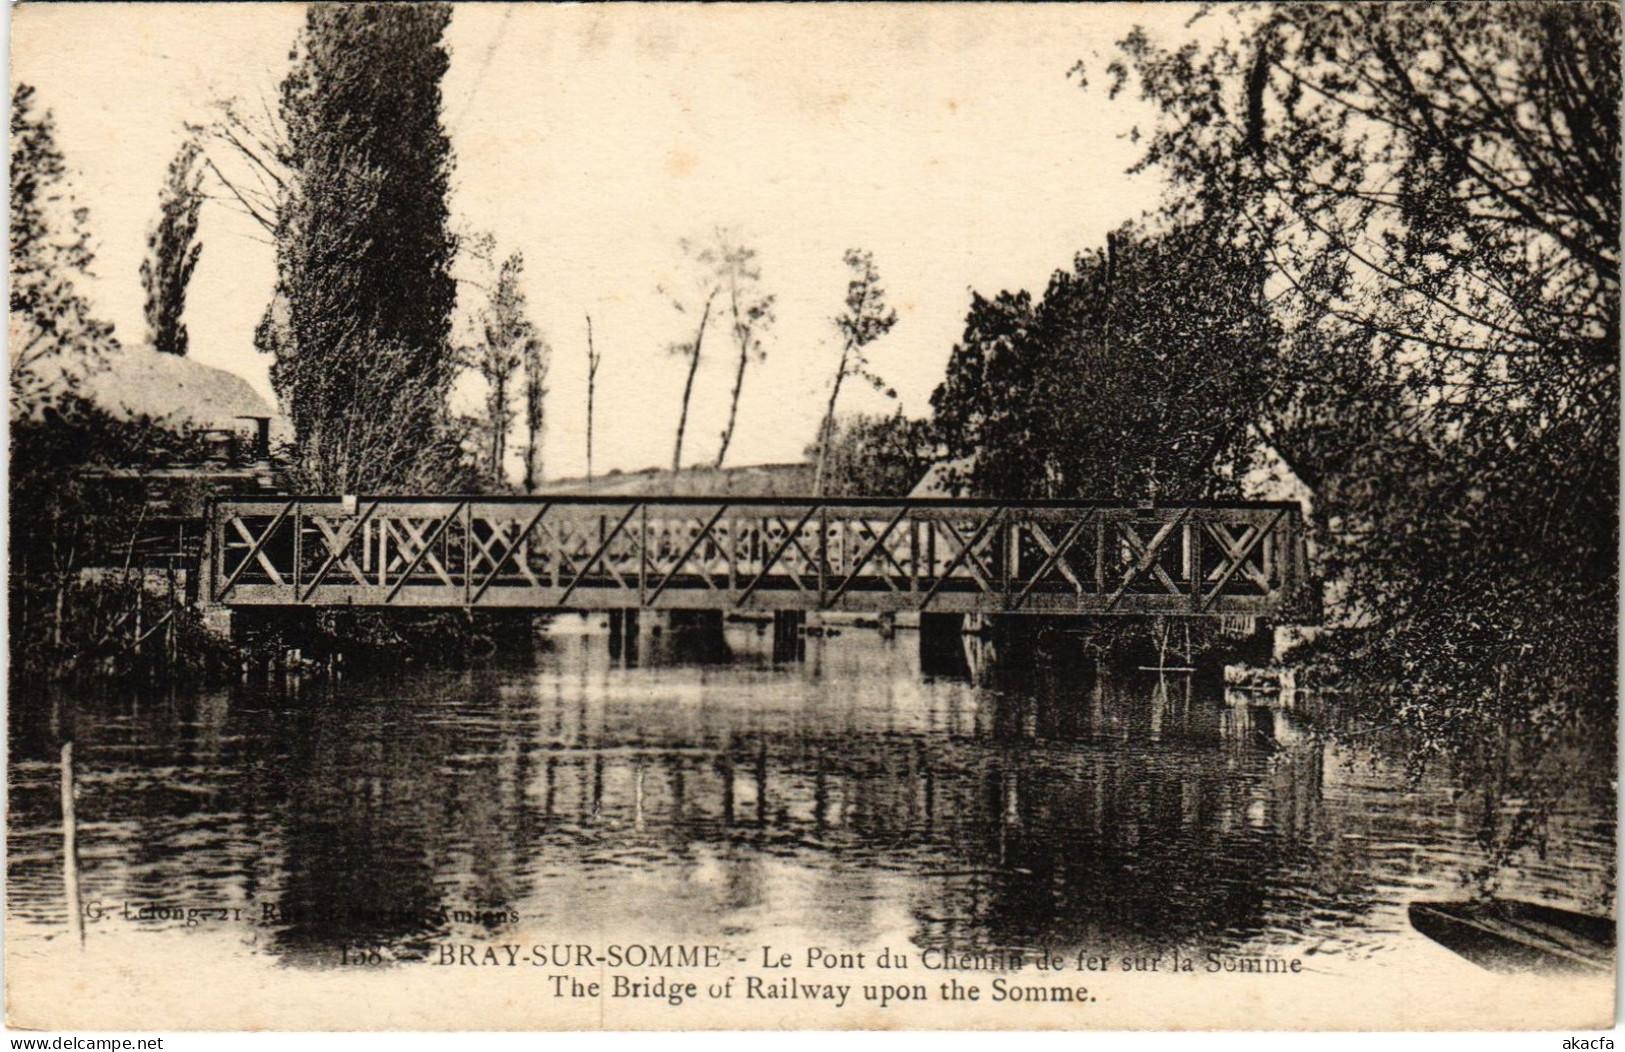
947 140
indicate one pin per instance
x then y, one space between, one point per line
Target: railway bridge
1215 559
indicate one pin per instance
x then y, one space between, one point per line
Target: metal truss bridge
762 554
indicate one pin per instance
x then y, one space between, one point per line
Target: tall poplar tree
361 329
173 250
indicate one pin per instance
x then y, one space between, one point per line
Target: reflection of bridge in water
761 554
1101 819
1087 813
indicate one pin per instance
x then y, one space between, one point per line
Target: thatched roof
176 391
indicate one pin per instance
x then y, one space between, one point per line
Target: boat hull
1507 935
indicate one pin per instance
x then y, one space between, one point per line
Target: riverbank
846 801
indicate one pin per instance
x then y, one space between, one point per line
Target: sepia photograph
818 517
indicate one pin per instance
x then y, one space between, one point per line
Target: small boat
1509 935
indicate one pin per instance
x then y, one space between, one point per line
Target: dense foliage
1435 192
361 329
1137 375
877 456
74 598
1438 187
53 337
1389 256
173 250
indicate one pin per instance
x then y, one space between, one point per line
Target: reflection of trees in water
355 814
1536 813
360 799
1131 813
1537 806
361 812
156 772
1061 808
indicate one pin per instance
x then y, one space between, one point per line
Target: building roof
177 391
945 478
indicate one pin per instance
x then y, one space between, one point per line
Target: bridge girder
1079 558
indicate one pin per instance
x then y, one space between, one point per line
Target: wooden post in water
171 634
70 848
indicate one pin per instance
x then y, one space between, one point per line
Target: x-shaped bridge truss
760 554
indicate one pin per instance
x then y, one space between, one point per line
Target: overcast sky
948 140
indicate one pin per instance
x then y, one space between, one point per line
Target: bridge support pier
789 640
623 635
658 637
942 650
999 645
978 646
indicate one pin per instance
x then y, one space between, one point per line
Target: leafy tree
365 293
719 268
368 450
506 342
537 357
173 251
1437 189
878 456
751 312
971 404
54 339
867 318
1136 376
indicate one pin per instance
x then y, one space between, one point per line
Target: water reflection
845 798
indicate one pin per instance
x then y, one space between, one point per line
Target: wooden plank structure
870 555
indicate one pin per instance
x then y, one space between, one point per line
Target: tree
878 456
364 292
1437 191
173 251
719 267
248 155
704 266
973 406
537 356
506 343
54 340
1136 376
751 312
366 450
867 318
593 358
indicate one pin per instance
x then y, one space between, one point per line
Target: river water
846 800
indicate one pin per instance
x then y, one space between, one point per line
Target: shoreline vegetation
1344 297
